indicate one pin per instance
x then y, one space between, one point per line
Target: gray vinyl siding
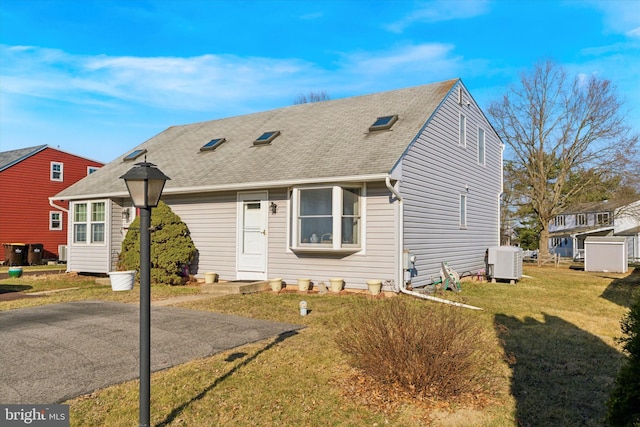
211 219
212 222
377 261
435 171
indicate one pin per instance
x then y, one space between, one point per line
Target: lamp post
145 183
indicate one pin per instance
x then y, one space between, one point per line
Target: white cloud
192 83
212 83
634 32
440 10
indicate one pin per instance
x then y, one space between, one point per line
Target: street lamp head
145 183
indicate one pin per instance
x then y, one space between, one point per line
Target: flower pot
375 286
303 284
15 272
122 280
336 284
210 277
276 284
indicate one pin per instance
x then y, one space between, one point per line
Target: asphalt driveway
56 352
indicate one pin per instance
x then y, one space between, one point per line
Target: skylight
266 138
384 122
135 154
213 144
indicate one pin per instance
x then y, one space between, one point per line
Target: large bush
171 246
429 350
624 402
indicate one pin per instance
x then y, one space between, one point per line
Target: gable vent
266 138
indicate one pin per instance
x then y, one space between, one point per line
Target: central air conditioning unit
62 253
504 262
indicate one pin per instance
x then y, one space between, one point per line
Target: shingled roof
10 158
319 141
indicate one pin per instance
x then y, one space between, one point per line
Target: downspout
401 283
53 205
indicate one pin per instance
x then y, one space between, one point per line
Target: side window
55 220
89 222
80 223
56 171
462 131
481 147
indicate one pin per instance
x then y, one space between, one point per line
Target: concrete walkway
56 352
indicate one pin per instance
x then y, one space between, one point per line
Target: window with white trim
462 130
57 171
55 220
581 219
559 221
89 222
481 146
463 211
602 218
327 218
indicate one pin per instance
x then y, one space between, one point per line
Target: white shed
605 253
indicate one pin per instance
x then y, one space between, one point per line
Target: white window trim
462 210
462 130
51 171
51 214
92 169
336 247
581 219
482 132
89 222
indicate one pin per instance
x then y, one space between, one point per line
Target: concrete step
229 288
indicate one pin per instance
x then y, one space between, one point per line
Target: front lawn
556 331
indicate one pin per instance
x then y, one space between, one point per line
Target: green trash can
34 254
15 253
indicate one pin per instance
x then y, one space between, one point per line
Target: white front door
252 236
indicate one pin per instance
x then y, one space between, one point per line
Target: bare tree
311 97
565 134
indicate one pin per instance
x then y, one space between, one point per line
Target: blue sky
96 78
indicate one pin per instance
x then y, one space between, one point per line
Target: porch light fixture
145 183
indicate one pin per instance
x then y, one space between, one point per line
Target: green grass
557 330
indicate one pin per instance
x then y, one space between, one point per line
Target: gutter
401 287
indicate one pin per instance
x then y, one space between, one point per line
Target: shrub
624 401
429 350
171 246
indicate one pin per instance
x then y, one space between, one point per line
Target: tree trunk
543 243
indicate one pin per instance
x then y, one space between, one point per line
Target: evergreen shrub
624 401
171 247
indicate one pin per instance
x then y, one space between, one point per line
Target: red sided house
28 177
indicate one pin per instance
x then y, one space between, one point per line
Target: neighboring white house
568 231
339 188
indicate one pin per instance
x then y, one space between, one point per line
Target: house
356 188
568 231
28 177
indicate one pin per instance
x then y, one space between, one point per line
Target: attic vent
266 138
383 123
134 155
460 95
213 144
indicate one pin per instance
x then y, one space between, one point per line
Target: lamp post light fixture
145 183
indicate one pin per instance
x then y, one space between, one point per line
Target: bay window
326 218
